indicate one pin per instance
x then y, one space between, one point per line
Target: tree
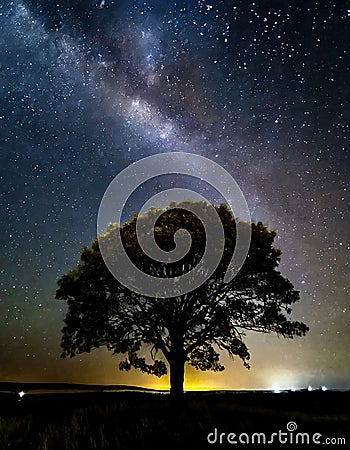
192 328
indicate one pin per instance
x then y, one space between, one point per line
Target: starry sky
89 86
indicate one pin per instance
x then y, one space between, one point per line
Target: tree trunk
177 375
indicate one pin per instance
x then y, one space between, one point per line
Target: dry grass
144 421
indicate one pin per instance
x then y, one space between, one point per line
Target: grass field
139 420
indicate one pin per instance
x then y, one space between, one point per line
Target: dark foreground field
139 420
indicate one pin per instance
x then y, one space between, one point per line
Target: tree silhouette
192 328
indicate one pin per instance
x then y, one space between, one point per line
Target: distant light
276 389
21 394
324 388
309 388
292 389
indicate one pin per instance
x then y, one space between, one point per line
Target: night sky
88 87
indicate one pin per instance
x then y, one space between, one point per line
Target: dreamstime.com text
291 436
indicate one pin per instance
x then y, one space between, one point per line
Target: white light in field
324 388
292 389
276 389
309 388
21 394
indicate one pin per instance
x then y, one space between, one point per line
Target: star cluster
88 87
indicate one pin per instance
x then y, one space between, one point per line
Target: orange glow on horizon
188 386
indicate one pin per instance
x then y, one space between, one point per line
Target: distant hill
27 387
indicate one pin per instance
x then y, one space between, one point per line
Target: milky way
88 87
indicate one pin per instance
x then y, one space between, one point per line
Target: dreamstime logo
131 178
289 437
291 426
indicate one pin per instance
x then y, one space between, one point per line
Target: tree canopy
192 328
